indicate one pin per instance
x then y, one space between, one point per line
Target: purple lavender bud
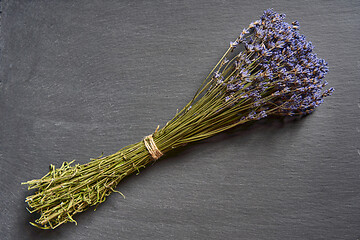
296 25
257 47
217 75
271 45
231 87
328 92
261 115
286 90
276 93
279 44
254 24
249 47
227 98
233 44
244 31
265 53
248 61
259 33
251 115
257 104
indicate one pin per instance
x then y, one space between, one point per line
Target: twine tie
151 146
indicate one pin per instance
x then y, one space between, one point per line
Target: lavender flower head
275 70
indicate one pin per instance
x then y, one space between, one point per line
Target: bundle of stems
270 69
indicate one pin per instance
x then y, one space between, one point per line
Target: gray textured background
83 77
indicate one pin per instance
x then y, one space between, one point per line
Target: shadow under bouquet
269 70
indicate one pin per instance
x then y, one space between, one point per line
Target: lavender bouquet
269 70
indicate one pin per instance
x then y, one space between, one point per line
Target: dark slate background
83 77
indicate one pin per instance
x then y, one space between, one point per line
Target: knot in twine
151 146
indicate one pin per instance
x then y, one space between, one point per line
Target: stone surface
79 78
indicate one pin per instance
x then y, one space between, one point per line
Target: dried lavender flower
276 74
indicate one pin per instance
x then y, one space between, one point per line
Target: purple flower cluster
277 72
